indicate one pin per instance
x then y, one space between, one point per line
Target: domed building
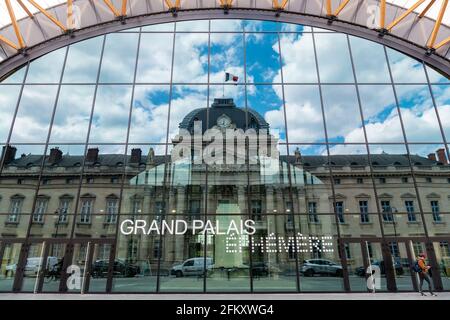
271 149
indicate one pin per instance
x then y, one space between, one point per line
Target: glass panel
73 113
191 58
33 266
274 266
229 253
359 270
53 270
291 27
78 268
8 265
8 103
263 57
442 251
229 25
138 256
370 61
435 76
418 112
34 114
405 69
297 70
98 207
266 102
402 266
320 267
111 114
193 26
334 58
149 114
343 117
304 100
163 27
442 97
261 26
155 58
380 114
83 61
39 71
119 58
16 77
100 265
227 56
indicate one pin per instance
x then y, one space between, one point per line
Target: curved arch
408 47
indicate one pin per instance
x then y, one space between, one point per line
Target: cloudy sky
303 124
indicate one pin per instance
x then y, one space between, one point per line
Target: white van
33 264
192 267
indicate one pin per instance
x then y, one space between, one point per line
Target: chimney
136 155
432 157
8 154
92 155
441 156
55 155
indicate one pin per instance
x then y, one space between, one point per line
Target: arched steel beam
436 61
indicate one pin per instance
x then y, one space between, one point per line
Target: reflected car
121 268
33 265
192 267
321 267
361 271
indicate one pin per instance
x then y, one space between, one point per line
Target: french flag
231 77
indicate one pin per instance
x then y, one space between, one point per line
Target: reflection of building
294 196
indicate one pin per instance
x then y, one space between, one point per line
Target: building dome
224 107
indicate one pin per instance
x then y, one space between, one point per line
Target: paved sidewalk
181 297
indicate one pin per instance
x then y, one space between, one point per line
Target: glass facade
96 139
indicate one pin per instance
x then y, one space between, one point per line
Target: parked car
192 267
312 267
33 265
121 268
361 271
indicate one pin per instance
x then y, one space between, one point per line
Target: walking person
423 270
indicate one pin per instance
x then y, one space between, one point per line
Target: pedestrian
422 269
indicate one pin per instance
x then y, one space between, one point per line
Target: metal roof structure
405 29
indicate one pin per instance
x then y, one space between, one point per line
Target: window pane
119 58
34 114
263 57
111 114
8 104
191 58
155 58
82 61
39 71
405 69
380 114
227 55
343 117
334 58
193 26
149 114
164 27
230 25
442 97
418 114
297 70
73 113
304 100
370 61
16 77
